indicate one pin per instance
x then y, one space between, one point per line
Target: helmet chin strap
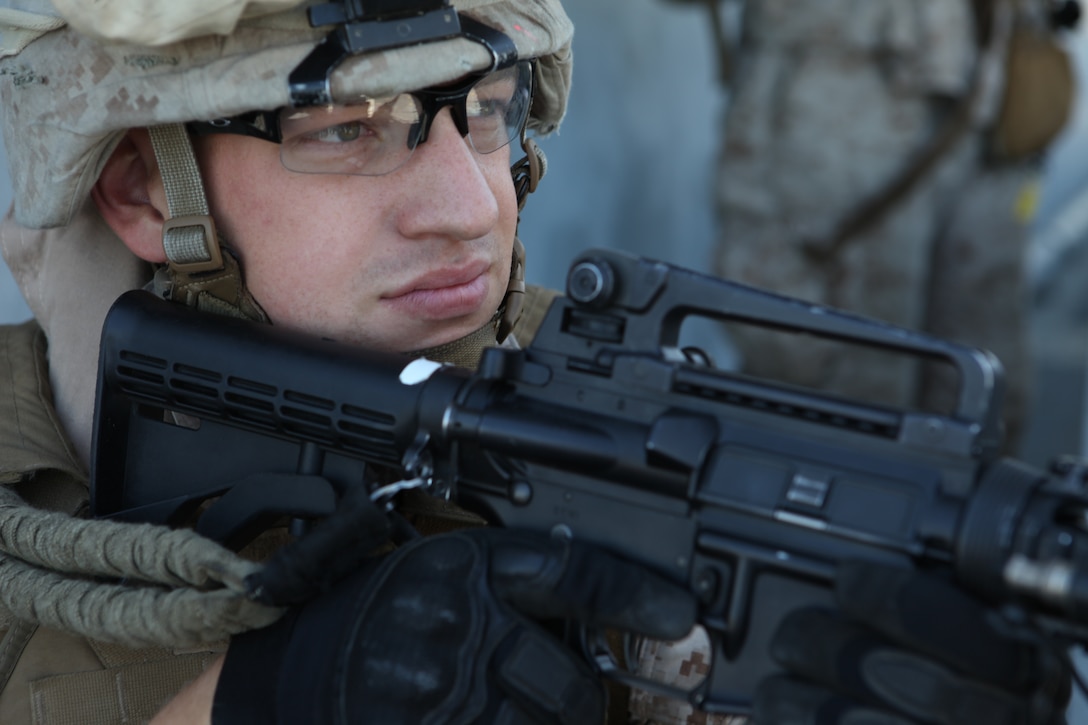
510 309
527 174
529 170
199 273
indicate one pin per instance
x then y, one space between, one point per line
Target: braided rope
134 617
196 593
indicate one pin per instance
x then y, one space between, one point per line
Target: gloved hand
442 631
907 647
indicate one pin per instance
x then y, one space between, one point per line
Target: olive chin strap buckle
189 237
191 244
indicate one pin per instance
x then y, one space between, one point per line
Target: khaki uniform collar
31 440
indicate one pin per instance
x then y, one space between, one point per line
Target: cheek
266 214
233 178
260 210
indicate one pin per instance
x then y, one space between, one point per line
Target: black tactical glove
440 631
906 647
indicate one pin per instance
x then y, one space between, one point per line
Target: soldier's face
413 259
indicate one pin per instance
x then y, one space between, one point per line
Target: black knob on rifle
591 282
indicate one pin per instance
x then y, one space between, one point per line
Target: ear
130 197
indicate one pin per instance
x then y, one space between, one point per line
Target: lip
443 293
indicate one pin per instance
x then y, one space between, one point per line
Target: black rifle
747 491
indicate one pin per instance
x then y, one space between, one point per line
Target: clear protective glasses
377 135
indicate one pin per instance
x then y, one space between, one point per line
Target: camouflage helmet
74 76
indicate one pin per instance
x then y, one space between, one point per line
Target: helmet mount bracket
378 25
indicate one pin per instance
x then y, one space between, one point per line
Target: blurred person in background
884 157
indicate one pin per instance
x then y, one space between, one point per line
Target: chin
407 335
444 335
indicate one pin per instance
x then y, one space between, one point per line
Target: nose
449 192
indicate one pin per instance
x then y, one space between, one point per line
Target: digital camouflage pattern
151 22
683 664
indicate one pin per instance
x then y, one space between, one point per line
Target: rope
193 591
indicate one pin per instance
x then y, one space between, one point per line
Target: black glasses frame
265 125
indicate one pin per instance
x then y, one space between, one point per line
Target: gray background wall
634 164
